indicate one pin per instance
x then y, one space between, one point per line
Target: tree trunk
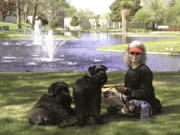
125 20
25 11
18 14
119 25
34 15
5 6
1 16
114 24
61 18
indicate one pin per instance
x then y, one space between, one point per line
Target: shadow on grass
21 88
170 109
18 127
21 95
110 117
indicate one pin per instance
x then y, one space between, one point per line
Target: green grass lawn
171 46
13 33
20 91
24 33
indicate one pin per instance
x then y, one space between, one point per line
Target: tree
115 15
46 10
144 15
53 9
54 24
97 17
74 21
34 14
156 11
70 11
26 6
173 16
18 15
86 14
124 9
5 6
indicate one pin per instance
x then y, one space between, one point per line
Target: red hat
136 49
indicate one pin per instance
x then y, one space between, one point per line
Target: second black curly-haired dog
53 107
87 95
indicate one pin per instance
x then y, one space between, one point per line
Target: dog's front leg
95 109
81 115
80 109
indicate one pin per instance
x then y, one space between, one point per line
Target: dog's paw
94 121
99 121
68 123
91 121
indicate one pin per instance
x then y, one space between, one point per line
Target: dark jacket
138 82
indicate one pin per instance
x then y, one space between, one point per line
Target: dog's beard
101 77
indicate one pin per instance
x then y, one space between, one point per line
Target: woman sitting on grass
137 88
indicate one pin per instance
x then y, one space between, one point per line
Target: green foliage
74 21
52 9
145 15
118 5
115 11
128 4
162 12
70 12
54 24
20 91
173 16
5 7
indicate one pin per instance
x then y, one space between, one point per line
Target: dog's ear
65 85
51 89
105 68
91 69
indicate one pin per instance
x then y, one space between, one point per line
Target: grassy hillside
13 33
25 32
171 46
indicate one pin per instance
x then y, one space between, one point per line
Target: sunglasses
135 53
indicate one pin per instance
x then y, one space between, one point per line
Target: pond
77 55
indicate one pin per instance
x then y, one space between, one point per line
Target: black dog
87 95
53 107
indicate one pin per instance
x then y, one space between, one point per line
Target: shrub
54 24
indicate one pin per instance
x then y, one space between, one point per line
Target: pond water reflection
78 55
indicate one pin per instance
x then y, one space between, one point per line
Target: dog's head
60 91
98 73
58 88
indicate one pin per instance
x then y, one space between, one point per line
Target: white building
68 26
90 24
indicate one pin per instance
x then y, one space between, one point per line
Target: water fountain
37 34
46 41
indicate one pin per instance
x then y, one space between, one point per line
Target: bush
54 24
